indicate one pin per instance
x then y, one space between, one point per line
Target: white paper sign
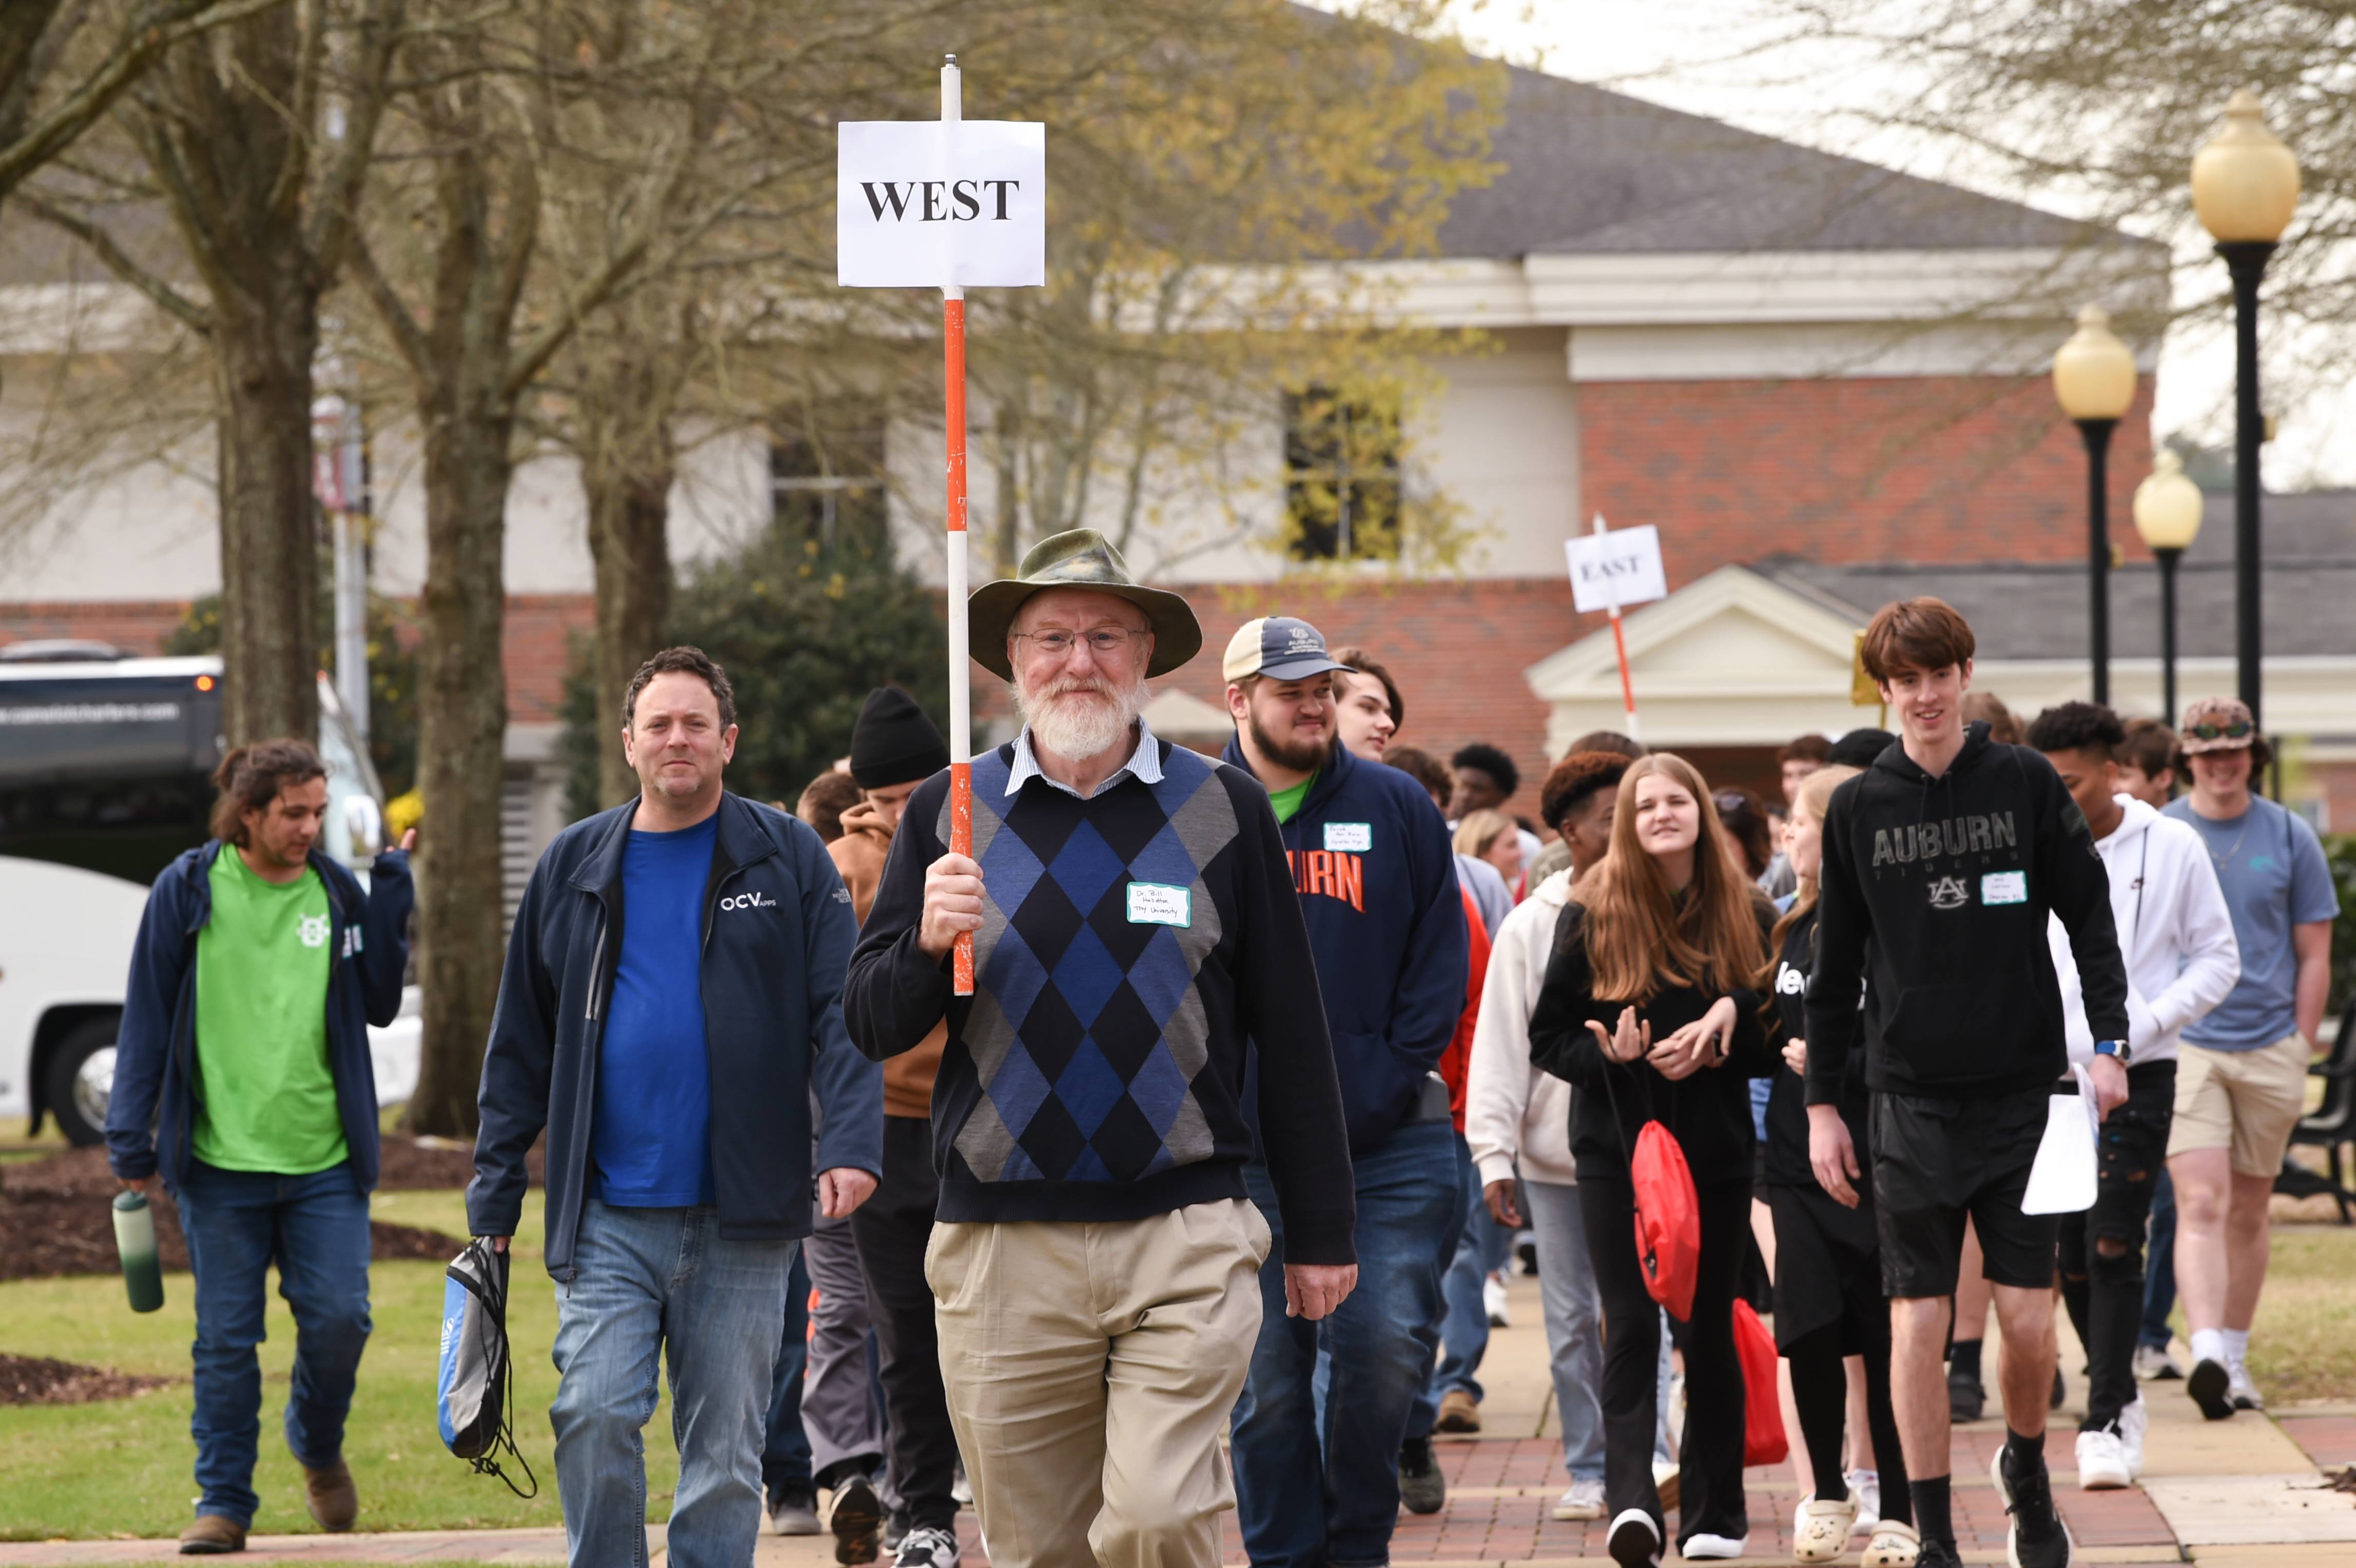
1622 567
2065 1175
921 206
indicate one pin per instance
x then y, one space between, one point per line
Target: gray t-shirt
2275 876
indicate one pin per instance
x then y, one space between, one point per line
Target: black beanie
893 742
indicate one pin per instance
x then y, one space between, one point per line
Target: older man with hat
2241 1073
1321 1432
1095 1259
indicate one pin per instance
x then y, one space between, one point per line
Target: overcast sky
1718 58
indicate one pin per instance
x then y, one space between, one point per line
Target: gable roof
1590 171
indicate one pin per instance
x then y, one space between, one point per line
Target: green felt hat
1080 559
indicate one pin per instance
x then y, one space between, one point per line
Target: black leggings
1820 1391
2105 1294
1710 1453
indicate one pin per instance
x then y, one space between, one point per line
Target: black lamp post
2095 380
2167 515
2245 186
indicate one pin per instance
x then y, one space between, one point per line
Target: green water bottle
134 1239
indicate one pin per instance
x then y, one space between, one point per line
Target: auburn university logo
1329 873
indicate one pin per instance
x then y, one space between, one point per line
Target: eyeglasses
2238 728
1104 641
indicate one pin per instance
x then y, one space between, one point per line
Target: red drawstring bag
1668 1219
1762 1419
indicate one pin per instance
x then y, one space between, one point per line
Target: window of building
1341 479
826 473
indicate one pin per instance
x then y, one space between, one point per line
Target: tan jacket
859 855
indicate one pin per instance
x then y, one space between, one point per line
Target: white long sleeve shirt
2175 933
1511 1110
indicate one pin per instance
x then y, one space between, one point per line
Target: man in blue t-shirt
2240 1080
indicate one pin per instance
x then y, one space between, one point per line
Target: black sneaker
1635 1540
2211 1386
1421 1486
1938 1554
927 1547
1965 1397
857 1520
2037 1537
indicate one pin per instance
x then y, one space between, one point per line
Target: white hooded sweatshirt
1512 1109
2175 933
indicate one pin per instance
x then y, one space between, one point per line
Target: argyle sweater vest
1131 945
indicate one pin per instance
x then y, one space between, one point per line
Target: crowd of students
1267 1061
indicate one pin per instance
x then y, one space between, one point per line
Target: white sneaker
1819 1530
2241 1390
2102 1462
1584 1500
1492 1297
1892 1545
927 1547
1669 1480
2134 1422
1866 1484
1634 1541
1715 1546
2153 1363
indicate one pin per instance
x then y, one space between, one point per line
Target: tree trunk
629 517
461 764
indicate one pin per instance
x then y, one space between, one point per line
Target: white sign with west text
920 204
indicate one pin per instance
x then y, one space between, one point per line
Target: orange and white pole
1619 646
960 678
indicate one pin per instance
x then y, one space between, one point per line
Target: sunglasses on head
2236 730
1728 801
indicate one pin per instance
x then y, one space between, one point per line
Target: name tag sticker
1350 838
2005 888
1159 904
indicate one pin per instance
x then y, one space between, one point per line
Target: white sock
2208 1345
2237 1345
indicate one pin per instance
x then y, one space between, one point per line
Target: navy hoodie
1377 875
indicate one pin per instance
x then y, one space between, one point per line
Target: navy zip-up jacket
1377 875
155 1049
777 934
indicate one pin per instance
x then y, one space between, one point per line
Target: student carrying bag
475 1394
1668 1212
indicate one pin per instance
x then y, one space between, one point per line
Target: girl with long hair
1828 1301
1649 1009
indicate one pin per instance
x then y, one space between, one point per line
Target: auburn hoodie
1949 882
2173 926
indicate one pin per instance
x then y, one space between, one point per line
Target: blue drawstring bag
474 1393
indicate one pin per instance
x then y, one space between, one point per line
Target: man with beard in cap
1377 878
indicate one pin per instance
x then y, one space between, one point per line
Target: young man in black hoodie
1941 863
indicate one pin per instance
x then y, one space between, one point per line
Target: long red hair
1641 937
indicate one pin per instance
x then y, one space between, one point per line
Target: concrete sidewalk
2232 1494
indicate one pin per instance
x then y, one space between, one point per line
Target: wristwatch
2117 1048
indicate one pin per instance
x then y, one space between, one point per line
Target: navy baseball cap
1279 648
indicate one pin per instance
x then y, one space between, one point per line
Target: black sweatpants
1710 1454
2105 1294
893 1229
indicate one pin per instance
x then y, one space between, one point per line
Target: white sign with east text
929 204
1616 569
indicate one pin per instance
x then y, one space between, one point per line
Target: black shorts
1937 1162
1827 1267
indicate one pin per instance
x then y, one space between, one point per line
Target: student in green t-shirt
274 961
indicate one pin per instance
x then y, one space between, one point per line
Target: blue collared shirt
1144 764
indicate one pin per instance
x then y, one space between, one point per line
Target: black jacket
777 932
1709 1112
1785 1158
150 1113
1952 879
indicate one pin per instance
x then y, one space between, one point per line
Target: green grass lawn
125 1466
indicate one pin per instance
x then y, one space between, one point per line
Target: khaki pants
1089 1368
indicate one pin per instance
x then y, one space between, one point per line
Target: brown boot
1458 1413
211 1535
330 1496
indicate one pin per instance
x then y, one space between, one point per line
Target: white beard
1078 724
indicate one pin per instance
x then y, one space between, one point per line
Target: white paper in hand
2063 1179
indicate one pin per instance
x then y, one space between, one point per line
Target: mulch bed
37 1380
55 1219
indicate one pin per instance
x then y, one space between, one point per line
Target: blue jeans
786 1447
654 1287
2159 1264
1292 1448
316 1229
1574 1325
1480 1249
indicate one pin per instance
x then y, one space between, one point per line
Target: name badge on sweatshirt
2005 888
1159 904
1350 838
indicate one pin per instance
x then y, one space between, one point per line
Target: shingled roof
1587 170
